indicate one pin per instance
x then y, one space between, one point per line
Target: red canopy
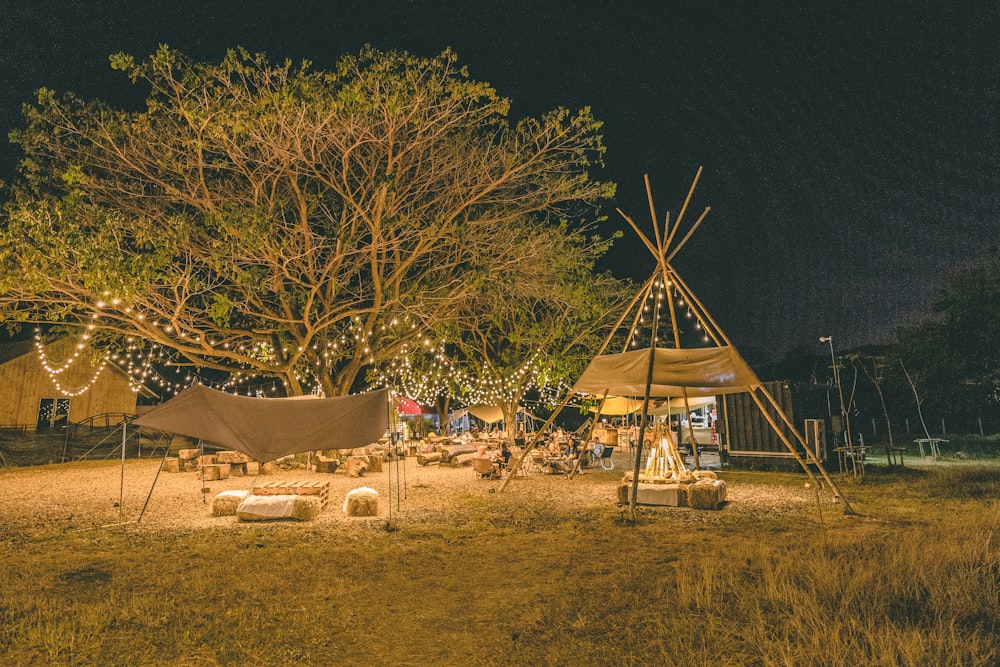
407 406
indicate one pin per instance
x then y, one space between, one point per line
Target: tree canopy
526 327
294 223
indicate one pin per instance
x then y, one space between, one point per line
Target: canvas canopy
490 414
269 428
618 405
707 371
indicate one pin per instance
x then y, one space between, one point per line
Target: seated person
573 448
505 455
482 453
561 464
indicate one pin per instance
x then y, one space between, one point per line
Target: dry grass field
548 572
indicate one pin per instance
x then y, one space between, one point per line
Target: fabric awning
707 371
269 428
617 405
490 414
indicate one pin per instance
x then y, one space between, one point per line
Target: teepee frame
665 277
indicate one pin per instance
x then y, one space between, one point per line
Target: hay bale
226 502
705 474
215 471
326 464
231 456
171 464
266 508
706 495
252 468
306 508
624 491
357 466
188 459
362 501
268 468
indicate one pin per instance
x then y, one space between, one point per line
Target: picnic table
932 445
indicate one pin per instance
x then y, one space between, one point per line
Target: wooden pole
802 441
121 490
645 410
680 216
691 231
684 391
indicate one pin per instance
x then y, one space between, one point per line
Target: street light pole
840 391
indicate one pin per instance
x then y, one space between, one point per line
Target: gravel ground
81 496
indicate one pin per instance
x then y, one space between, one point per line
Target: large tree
953 353
270 218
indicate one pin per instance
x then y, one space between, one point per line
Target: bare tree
875 369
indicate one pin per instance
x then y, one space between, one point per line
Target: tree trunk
916 397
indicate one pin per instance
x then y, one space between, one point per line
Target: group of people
562 452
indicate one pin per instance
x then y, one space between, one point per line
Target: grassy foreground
913 580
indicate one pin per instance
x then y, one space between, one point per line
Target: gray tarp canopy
705 371
269 428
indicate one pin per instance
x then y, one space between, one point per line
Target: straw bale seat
213 471
326 463
669 495
226 502
362 501
267 508
357 465
708 494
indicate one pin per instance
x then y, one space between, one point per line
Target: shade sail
706 371
269 428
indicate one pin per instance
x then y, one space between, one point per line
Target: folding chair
604 458
536 460
484 469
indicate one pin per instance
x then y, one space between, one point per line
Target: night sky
851 153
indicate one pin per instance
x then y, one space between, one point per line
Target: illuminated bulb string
54 371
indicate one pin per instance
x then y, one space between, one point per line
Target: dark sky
851 153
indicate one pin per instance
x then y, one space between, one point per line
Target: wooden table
852 457
932 444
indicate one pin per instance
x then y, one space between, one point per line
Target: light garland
55 371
